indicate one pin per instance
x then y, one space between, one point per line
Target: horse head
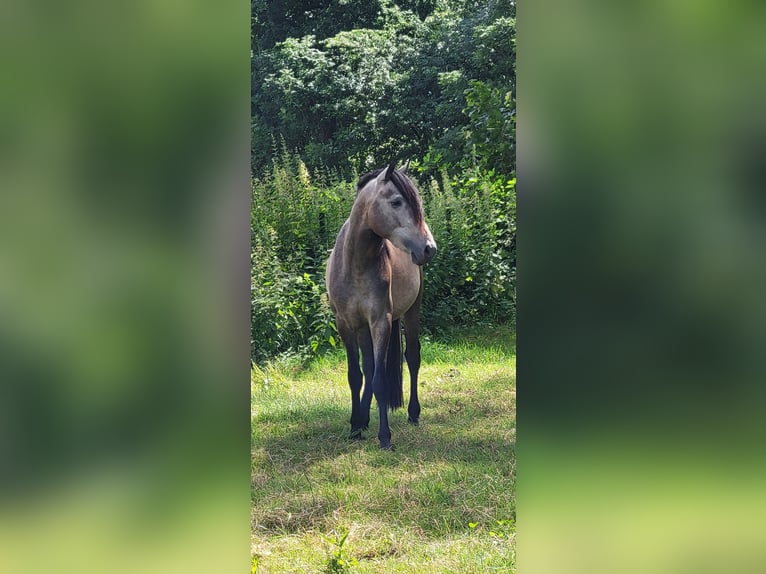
395 212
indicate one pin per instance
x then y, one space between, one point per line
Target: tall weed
472 278
295 216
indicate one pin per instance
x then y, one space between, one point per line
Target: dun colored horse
374 281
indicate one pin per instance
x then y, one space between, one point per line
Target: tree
349 84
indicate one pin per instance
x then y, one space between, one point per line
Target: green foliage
350 84
293 227
491 131
338 562
501 533
296 216
500 529
472 278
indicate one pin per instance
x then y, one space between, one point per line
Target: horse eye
396 203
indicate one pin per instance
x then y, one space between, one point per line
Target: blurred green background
124 304
642 274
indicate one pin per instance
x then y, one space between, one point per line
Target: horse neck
362 244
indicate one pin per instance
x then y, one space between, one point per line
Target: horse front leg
381 332
368 366
354 382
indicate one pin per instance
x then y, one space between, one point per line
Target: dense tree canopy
350 83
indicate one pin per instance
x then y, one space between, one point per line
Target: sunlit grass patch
403 511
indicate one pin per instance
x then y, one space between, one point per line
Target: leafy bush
295 216
293 227
472 278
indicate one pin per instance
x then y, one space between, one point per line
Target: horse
374 280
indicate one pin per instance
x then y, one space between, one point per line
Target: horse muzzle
426 255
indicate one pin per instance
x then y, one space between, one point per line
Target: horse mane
403 184
366 178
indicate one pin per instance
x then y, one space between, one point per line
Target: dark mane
403 184
366 178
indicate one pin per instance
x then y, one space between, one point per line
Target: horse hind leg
380 333
412 354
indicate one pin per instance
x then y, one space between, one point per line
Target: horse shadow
286 499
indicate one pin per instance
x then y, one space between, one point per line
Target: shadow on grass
293 441
441 476
457 467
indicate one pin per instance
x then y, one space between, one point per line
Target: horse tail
394 390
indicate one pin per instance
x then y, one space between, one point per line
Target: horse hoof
413 422
388 447
356 434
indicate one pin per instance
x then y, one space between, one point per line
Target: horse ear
405 167
390 170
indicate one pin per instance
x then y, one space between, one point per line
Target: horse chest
373 295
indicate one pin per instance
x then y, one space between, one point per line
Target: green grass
442 502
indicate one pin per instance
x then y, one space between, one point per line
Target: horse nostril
430 250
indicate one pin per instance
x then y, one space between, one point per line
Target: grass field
443 501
